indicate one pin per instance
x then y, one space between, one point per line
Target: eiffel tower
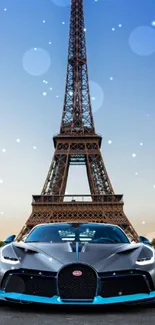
77 143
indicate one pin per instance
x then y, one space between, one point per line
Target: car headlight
8 259
147 260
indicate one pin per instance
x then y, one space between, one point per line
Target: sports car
78 264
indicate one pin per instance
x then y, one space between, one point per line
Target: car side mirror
144 240
9 239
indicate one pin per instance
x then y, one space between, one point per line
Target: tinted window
84 233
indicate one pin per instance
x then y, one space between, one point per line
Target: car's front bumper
56 300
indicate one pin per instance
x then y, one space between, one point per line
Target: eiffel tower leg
56 180
100 184
96 170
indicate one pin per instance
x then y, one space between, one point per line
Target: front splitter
56 300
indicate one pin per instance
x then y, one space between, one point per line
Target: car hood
103 257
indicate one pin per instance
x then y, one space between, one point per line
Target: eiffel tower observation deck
77 143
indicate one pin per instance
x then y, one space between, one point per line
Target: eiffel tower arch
77 143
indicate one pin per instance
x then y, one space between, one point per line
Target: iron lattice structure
77 143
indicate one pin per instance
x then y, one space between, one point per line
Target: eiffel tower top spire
77 112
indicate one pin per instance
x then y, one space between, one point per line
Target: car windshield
94 233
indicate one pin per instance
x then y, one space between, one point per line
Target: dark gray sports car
77 264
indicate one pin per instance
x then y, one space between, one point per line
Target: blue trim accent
77 251
98 300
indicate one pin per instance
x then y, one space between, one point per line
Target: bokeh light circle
61 3
36 61
96 95
142 40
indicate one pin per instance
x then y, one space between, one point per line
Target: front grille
73 287
31 283
127 284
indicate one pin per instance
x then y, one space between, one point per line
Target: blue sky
121 63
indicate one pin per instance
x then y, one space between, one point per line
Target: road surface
47 315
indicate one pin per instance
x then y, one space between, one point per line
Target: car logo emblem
77 273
